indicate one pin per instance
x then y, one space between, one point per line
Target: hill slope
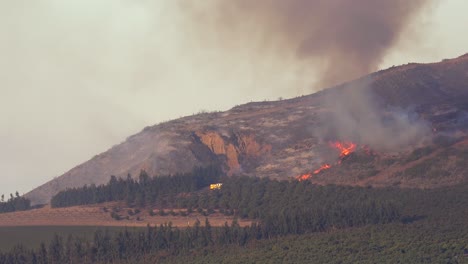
409 123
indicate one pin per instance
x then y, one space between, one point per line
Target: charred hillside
409 125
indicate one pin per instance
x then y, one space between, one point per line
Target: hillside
409 124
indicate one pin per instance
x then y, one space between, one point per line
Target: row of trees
144 191
284 207
280 208
293 207
135 245
437 218
14 203
443 212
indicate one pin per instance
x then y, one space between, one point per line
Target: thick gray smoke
331 41
337 39
354 113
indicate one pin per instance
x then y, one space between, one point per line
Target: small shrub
115 216
229 212
172 213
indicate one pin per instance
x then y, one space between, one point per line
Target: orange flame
307 176
304 177
345 149
324 167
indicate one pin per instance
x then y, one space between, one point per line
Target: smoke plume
327 42
355 113
334 40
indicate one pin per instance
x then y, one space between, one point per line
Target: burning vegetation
345 148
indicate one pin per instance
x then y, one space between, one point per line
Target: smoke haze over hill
333 41
77 77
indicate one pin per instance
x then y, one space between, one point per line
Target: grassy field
32 236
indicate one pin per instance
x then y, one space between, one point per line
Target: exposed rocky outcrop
284 139
235 148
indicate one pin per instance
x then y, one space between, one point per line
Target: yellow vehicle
215 186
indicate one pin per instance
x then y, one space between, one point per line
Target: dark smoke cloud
338 39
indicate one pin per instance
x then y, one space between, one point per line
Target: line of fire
345 149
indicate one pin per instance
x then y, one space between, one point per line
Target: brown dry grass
95 215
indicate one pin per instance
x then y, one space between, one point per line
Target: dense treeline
284 207
423 242
280 207
134 245
293 207
14 203
433 229
145 191
420 242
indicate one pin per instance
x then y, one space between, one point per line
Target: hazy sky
77 77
